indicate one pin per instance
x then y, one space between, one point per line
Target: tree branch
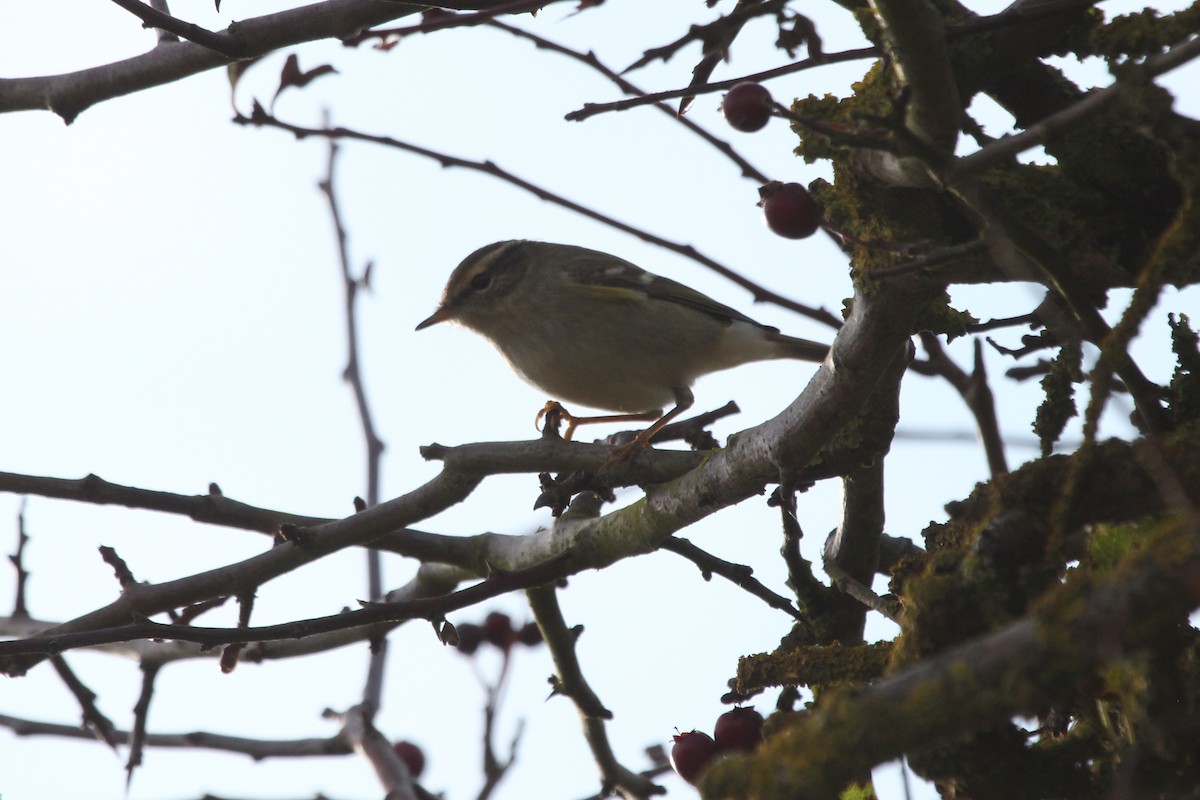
260 117
71 93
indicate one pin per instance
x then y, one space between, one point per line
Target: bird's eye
481 281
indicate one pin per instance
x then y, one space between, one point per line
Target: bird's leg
683 401
573 422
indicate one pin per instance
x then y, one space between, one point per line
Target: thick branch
916 41
52 643
71 93
1016 671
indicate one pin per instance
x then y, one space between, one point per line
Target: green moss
1108 544
940 317
1185 381
1058 407
813 666
1143 33
857 791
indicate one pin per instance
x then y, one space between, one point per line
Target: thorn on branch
20 610
120 568
188 614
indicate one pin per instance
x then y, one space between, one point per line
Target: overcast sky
170 315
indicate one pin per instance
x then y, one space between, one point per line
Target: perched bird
590 328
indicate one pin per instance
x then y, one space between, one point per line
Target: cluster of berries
739 729
789 209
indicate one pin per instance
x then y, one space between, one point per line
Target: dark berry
498 630
691 754
789 209
530 635
470 636
747 107
412 757
738 729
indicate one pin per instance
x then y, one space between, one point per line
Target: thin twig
977 394
946 256
739 575
17 559
94 719
1004 322
227 43
351 284
570 682
592 109
861 592
811 594
373 613
1009 146
624 85
443 21
260 117
141 713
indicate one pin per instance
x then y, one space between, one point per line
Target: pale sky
170 315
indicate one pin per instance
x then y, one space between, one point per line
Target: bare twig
860 591
228 43
17 559
229 656
141 712
496 767
571 683
592 109
977 393
353 373
443 21
496 584
367 741
717 30
1004 322
1009 146
739 575
944 257
71 93
591 60
810 592
351 284
164 35
94 719
260 117
254 748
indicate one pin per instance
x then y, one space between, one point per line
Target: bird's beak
441 315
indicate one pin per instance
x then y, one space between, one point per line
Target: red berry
789 209
530 635
412 757
470 636
738 729
498 630
747 107
691 754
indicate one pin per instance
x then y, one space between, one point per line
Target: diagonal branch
1016 671
228 43
71 93
865 350
570 682
739 575
260 117
51 643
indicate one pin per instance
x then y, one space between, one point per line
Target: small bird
590 328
